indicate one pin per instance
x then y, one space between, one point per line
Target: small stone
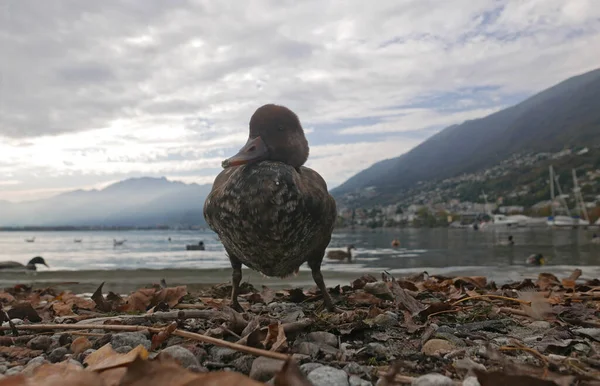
182 355
471 381
355 380
223 354
385 320
264 369
34 364
322 337
198 369
379 289
132 339
243 364
80 344
57 354
437 347
355 368
73 362
3 369
14 371
582 348
301 358
123 349
432 380
328 376
42 342
85 354
376 350
540 325
308 367
103 340
308 348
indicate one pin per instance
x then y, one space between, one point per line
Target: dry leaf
58 374
498 378
478 282
6 298
80 344
62 309
575 274
290 375
363 298
106 358
166 372
172 296
267 294
16 352
24 311
101 303
161 337
546 281
568 284
275 339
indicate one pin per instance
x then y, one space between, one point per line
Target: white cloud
94 92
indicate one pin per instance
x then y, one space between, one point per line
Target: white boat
566 221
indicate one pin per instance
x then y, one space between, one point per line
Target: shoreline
126 280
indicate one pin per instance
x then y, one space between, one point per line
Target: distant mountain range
563 116
133 202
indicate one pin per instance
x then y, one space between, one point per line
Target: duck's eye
280 128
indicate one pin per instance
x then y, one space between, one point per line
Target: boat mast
552 198
579 198
561 196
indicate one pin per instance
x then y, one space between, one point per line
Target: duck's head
537 259
351 247
510 238
275 135
37 260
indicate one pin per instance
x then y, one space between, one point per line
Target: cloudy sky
95 92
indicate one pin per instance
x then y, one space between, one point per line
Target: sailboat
569 220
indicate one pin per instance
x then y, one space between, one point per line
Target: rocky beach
419 330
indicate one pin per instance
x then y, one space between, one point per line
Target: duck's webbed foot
318 278
236 279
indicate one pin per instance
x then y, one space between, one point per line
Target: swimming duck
536 259
31 266
395 243
271 213
595 239
341 255
509 242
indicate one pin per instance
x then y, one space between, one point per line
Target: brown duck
271 213
341 255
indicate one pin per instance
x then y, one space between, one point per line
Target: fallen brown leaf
24 311
172 296
16 352
290 375
478 282
161 337
62 309
6 298
546 281
80 344
363 298
498 378
58 374
106 358
166 372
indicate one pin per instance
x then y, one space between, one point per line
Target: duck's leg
236 279
315 267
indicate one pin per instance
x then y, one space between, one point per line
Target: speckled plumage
271 213
270 216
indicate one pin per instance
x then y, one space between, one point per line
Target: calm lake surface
148 255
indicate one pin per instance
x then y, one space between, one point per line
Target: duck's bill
542 261
254 150
46 265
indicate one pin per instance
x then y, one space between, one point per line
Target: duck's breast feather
273 210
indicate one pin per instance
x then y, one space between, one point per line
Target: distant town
518 185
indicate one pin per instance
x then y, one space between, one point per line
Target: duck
595 239
31 265
31 240
510 242
77 240
395 243
341 255
536 259
118 242
272 213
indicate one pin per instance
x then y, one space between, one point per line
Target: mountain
565 115
133 202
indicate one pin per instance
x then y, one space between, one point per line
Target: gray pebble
123 349
243 364
86 354
57 354
356 369
540 325
14 371
264 369
432 380
328 376
132 339
355 380
388 319
3 369
376 350
471 381
308 367
322 337
42 342
223 354
34 364
308 348
182 355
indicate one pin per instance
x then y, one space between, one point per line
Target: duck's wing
216 189
317 199
10 265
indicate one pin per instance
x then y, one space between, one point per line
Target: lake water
148 255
